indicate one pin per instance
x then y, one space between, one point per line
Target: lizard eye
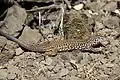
96 40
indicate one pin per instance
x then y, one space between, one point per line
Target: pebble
73 72
30 36
64 72
57 68
11 76
110 6
3 74
78 7
110 22
99 26
48 61
68 66
114 33
19 51
3 41
117 11
110 65
74 78
93 13
13 69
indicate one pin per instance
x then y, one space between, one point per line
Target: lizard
60 45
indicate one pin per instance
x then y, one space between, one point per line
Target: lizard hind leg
96 49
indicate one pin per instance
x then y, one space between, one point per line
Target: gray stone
19 51
13 69
30 36
64 72
11 76
95 6
109 65
99 26
3 41
78 7
110 6
48 61
3 74
85 60
68 66
57 68
15 19
74 78
115 33
111 22
73 72
50 68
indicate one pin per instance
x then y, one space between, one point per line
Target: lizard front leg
91 49
52 52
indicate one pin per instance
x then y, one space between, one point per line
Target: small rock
104 32
114 33
78 7
30 55
64 57
87 13
114 42
73 61
15 19
48 61
110 6
53 76
50 68
107 31
74 78
19 51
92 13
57 68
117 11
110 65
30 36
73 72
73 64
11 76
3 41
64 72
85 60
3 74
99 26
79 58
68 66
111 22
95 6
104 61
102 76
13 69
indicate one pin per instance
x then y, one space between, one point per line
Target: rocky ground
89 17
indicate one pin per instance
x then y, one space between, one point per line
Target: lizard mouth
96 45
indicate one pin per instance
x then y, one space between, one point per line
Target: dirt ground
34 22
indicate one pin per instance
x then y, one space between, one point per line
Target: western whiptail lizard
60 45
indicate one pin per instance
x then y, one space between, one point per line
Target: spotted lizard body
60 45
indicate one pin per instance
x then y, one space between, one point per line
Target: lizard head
99 40
102 40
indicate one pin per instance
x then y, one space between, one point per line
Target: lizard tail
20 43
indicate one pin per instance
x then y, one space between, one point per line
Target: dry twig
61 22
43 8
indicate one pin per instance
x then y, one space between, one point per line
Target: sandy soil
95 17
